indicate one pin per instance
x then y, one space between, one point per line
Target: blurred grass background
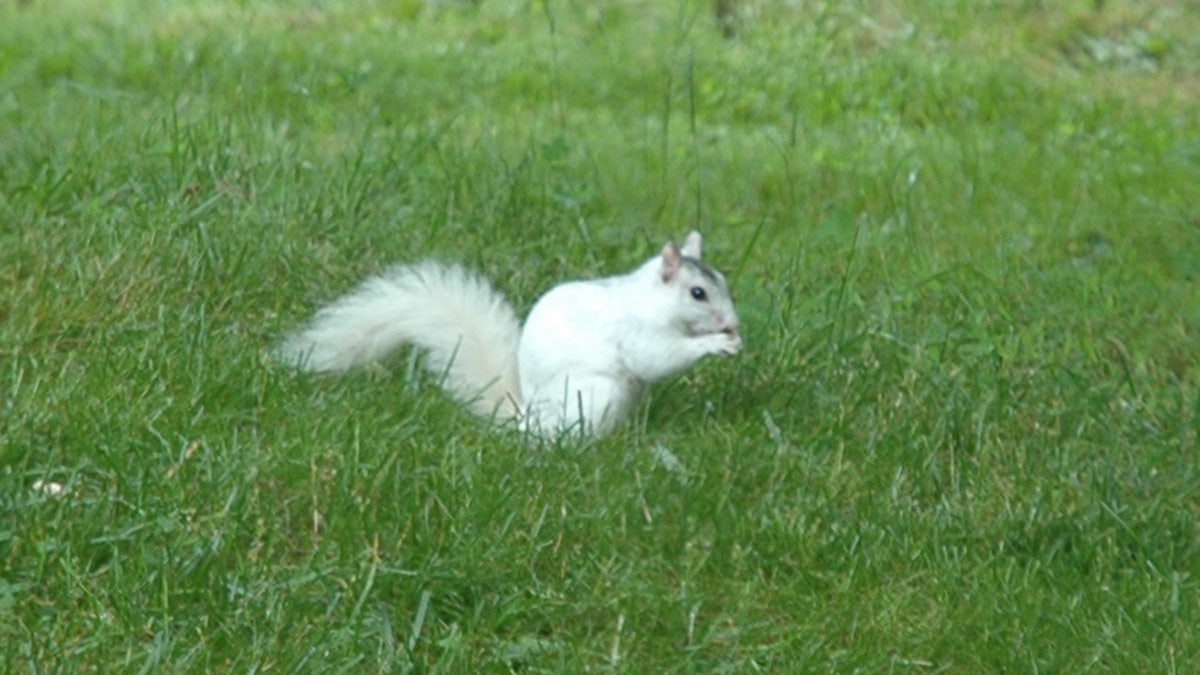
963 238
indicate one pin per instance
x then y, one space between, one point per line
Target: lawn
963 239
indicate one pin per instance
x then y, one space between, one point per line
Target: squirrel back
466 328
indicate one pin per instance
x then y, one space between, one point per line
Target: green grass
964 240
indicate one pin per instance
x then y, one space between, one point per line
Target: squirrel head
700 299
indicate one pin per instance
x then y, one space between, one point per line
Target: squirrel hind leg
588 405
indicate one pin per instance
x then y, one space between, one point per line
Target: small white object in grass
667 459
775 433
49 488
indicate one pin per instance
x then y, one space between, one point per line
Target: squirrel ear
691 245
672 260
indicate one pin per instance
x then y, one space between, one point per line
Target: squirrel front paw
728 342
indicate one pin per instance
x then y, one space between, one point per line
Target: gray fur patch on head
703 269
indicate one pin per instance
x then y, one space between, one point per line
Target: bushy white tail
467 329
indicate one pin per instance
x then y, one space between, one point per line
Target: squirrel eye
699 294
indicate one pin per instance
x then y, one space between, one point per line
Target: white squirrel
585 354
